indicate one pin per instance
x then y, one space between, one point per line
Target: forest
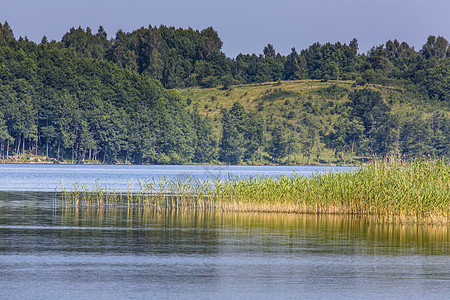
165 95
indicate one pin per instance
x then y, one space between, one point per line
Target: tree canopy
88 97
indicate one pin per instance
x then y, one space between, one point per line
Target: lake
50 251
38 177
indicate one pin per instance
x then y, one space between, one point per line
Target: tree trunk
18 145
351 152
318 148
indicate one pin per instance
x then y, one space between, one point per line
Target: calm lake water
34 177
48 251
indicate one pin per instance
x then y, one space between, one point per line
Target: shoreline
33 159
55 162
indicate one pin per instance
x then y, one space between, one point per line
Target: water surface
49 251
41 177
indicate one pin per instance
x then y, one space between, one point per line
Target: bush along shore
391 189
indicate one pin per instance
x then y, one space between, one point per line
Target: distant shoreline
146 164
43 160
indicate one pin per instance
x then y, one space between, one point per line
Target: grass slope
302 96
291 100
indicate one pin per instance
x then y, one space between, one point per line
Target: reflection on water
209 229
91 252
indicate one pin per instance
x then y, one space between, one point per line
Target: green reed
418 190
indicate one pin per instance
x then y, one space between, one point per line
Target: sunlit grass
417 191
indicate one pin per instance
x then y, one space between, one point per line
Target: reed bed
392 189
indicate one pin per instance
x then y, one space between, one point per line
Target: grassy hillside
280 98
290 101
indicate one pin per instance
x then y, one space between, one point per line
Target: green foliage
206 142
76 108
415 136
87 44
368 106
347 136
435 47
440 135
242 135
231 142
279 94
185 57
437 81
279 145
333 91
88 97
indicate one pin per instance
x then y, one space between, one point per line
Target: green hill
319 125
90 98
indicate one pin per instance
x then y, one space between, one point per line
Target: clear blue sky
244 26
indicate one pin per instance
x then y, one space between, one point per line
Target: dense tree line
88 97
187 57
176 57
365 127
56 103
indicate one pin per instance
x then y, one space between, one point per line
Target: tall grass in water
416 190
164 193
419 188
